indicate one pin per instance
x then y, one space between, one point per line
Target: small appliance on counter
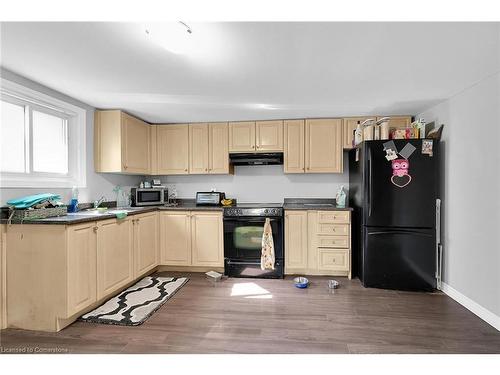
148 196
210 198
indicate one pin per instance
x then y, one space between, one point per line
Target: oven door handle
251 220
249 263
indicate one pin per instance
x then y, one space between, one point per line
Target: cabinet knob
257 146
206 169
95 229
185 170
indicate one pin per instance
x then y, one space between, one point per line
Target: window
42 140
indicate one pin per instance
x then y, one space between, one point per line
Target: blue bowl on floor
301 282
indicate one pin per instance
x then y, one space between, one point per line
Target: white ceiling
244 71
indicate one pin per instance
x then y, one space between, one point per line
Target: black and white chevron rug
135 305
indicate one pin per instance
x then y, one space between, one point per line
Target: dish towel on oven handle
267 255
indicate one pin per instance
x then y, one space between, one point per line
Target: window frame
76 118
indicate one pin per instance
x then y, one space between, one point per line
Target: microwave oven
148 196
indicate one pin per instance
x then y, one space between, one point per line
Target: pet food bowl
301 282
333 284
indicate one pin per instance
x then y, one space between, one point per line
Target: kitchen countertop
320 204
81 217
184 205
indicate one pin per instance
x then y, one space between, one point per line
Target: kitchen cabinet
82 266
218 148
58 272
3 284
122 143
115 258
146 242
191 238
242 136
318 242
172 149
294 146
175 238
295 241
349 125
208 148
398 122
323 146
207 239
260 136
269 136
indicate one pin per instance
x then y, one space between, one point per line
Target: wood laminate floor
272 316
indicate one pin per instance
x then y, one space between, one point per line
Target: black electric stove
243 228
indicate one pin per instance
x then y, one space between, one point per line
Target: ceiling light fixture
173 36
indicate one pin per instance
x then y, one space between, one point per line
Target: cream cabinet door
242 136
218 148
398 122
323 146
82 263
296 244
350 124
173 149
115 259
294 146
175 238
146 242
136 145
207 239
198 148
269 136
3 277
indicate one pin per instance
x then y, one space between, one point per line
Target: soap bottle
73 204
340 198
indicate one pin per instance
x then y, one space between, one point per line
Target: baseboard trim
485 314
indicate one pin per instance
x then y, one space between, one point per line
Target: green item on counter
120 214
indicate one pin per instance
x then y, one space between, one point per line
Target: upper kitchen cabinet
294 158
122 143
323 146
269 136
172 143
242 136
208 148
398 122
260 136
350 124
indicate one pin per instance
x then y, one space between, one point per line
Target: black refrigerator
396 221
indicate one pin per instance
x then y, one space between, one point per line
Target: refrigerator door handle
370 182
439 247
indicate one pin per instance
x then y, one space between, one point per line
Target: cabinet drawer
333 241
333 217
333 260
336 229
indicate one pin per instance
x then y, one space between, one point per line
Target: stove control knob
240 211
266 211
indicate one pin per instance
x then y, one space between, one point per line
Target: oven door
243 237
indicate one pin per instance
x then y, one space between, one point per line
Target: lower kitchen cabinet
191 238
146 242
115 266
3 284
82 266
207 243
318 242
58 272
296 241
175 238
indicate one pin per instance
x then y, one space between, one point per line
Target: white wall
266 184
472 191
97 184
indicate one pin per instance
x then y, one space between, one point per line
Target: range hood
274 158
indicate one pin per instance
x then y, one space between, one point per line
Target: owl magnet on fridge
400 176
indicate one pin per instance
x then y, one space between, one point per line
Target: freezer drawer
402 259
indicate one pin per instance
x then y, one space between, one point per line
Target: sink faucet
99 201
